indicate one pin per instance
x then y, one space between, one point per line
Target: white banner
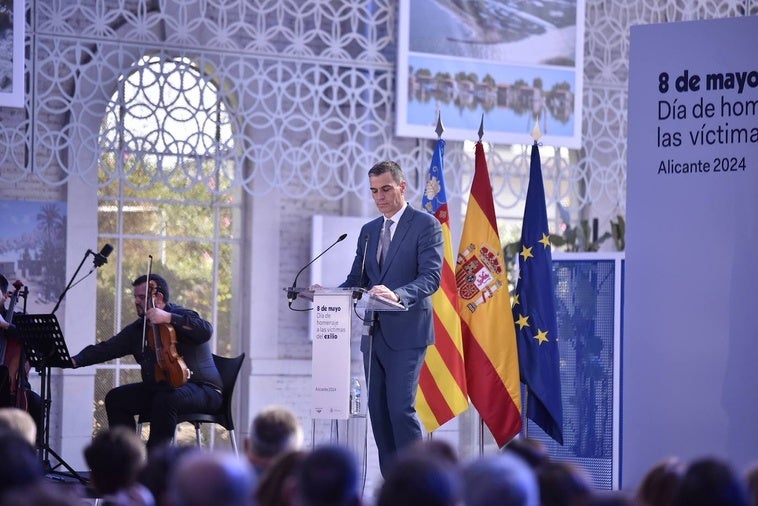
330 325
690 339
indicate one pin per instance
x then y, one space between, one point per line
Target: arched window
164 192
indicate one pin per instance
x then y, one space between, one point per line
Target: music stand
45 348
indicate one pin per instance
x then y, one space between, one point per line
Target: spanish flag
489 335
442 393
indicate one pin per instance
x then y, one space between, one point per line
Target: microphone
99 260
291 293
357 294
102 257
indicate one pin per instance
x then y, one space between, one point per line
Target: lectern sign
331 355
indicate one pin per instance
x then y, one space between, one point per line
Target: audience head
563 484
659 484
42 493
416 480
533 451
612 498
115 457
277 485
751 480
19 464
161 463
216 477
18 420
438 449
711 481
273 432
503 479
328 477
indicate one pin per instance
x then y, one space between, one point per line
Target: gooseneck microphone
357 294
102 257
291 292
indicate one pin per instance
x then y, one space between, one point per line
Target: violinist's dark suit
159 402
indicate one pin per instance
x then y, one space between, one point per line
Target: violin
13 365
170 366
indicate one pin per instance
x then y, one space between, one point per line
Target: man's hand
157 316
383 291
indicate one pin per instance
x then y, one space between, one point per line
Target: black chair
229 369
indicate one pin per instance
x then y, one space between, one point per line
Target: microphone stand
292 291
357 293
71 281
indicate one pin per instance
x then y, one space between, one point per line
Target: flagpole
524 421
481 435
536 134
481 420
438 130
491 354
540 370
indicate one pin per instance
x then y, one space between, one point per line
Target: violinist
31 401
158 400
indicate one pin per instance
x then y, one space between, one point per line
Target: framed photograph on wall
12 53
510 62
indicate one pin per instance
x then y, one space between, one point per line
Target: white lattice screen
308 89
309 86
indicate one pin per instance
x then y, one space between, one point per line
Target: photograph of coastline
508 62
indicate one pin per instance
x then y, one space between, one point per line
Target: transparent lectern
331 330
333 313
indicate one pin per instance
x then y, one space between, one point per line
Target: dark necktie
384 241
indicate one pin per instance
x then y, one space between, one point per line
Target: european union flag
534 312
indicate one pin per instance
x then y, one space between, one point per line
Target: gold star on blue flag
537 330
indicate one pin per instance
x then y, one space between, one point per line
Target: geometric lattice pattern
308 86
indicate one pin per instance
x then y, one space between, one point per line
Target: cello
13 366
169 366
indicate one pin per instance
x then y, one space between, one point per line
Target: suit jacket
193 343
412 269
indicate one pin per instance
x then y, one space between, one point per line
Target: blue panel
584 292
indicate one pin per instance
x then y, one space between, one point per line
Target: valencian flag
442 393
489 336
534 312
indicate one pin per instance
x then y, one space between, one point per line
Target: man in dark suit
405 269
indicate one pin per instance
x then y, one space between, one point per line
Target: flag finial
481 128
439 128
536 132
